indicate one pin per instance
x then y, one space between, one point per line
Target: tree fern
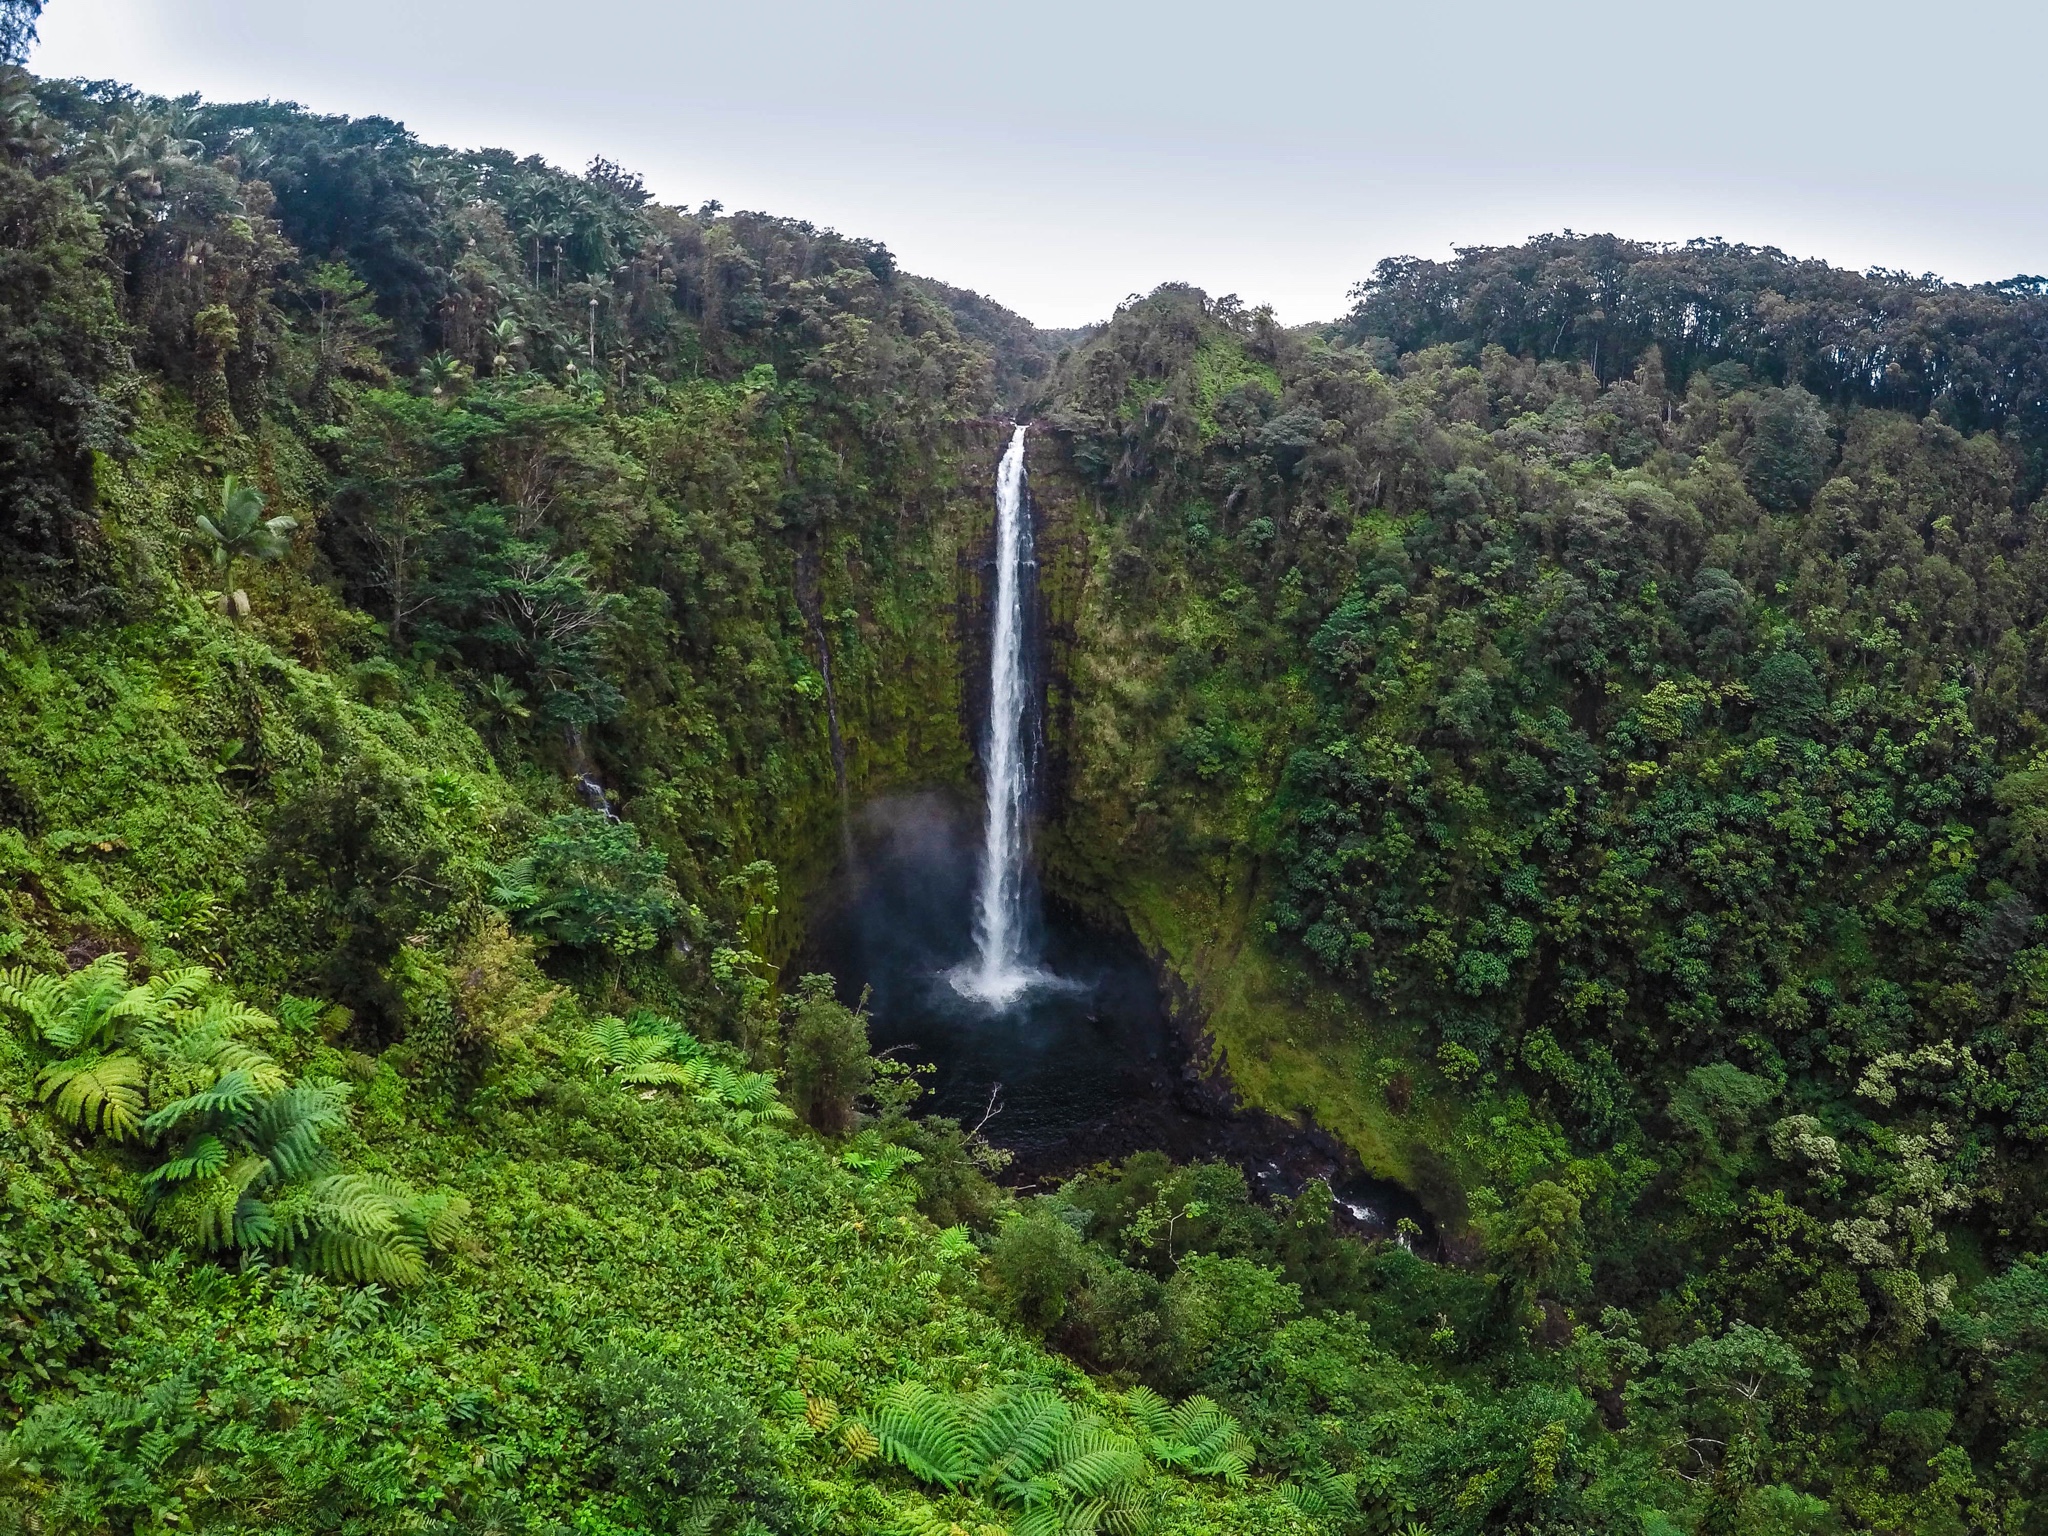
1196 1437
195 1046
248 1168
926 1433
1062 1469
645 1058
201 1212
72 1012
96 1092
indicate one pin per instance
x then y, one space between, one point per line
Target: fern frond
200 1213
860 1442
34 997
1018 1433
287 1127
98 1093
750 1090
705 1517
197 1048
70 1012
1149 1411
656 1074
1059 1520
202 1158
749 1097
1093 1458
925 1433
228 1097
1323 1494
299 1014
437 1218
715 1081
607 1042
262 1067
356 1203
357 1229
645 1048
255 1224
389 1259
166 991
1128 1510
231 1015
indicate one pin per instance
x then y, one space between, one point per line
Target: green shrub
588 882
825 1049
684 1448
1038 1261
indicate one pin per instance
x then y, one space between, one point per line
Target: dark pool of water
899 918
1080 1069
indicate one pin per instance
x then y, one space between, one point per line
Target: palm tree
122 168
445 377
503 703
240 531
501 340
18 28
25 134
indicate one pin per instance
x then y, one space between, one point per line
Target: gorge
503 1022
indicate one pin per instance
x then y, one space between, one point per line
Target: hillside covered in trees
1572 727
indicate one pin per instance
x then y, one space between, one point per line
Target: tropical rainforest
1572 729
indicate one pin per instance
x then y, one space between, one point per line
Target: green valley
1570 730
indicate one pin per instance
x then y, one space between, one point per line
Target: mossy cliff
1190 882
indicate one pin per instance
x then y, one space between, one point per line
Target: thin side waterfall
1000 970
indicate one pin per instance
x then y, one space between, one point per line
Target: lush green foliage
1627 745
587 881
1594 692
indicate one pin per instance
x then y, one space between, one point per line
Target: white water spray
999 971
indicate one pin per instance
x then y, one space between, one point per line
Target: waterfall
1000 971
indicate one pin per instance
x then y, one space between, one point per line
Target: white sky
1059 155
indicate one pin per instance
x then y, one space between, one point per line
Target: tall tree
18 29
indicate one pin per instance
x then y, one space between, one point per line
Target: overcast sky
1061 154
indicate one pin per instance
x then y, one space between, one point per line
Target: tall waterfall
1000 971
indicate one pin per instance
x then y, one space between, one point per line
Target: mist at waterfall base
1089 1066
899 921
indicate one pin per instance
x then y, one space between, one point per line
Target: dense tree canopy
1574 725
1595 676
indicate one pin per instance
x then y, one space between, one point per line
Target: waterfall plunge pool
1089 1064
